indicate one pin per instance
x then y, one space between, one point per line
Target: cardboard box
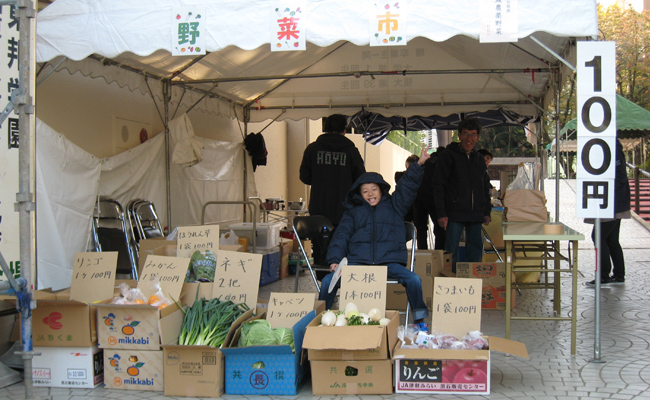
193 371
141 327
494 282
352 377
441 261
63 323
305 243
68 367
188 293
197 371
336 343
451 371
283 371
147 246
133 369
442 366
286 246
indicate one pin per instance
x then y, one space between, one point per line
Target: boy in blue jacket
371 232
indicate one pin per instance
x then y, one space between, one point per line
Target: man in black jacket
461 190
330 165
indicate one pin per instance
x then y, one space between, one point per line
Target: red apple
470 375
475 364
449 370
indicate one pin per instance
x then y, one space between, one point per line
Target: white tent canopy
442 70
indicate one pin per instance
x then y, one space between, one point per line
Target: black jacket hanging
256 148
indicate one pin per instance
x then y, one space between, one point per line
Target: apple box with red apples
438 366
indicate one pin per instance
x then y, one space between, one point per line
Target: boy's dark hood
354 197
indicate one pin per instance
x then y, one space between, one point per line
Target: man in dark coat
372 232
330 165
461 190
610 248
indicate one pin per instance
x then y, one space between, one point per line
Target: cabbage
259 333
284 336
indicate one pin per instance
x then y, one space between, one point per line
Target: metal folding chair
318 229
411 234
111 234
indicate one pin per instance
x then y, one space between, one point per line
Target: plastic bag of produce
203 265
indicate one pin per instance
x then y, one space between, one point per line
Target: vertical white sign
387 22
596 108
499 21
188 31
9 171
288 22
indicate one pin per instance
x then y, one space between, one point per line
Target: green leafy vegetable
259 333
284 336
207 322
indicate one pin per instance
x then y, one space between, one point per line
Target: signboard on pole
9 144
596 108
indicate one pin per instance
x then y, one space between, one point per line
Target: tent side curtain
375 127
69 179
107 28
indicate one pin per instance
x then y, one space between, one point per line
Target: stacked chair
111 233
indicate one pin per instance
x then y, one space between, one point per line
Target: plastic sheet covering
67 181
219 177
138 173
187 148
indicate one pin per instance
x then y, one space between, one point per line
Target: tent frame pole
166 99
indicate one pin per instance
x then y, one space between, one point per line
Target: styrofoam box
268 233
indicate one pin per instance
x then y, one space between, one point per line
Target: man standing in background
461 189
330 165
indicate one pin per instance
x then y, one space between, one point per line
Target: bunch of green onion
207 322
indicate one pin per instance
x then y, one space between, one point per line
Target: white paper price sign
596 95
365 286
285 309
237 277
193 238
93 276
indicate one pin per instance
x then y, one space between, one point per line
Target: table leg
508 286
557 292
574 301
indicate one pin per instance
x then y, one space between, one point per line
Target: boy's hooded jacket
369 235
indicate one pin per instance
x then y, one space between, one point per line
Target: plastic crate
268 233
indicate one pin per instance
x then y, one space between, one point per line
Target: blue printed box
270 268
267 370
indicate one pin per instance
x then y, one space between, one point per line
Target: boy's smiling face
370 193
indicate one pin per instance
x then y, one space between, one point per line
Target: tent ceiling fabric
443 69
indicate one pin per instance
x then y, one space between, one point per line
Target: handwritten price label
237 277
169 271
457 305
93 276
193 238
365 286
285 309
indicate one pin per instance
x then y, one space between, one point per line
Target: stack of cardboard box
349 360
64 332
132 334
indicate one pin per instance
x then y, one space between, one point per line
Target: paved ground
551 372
